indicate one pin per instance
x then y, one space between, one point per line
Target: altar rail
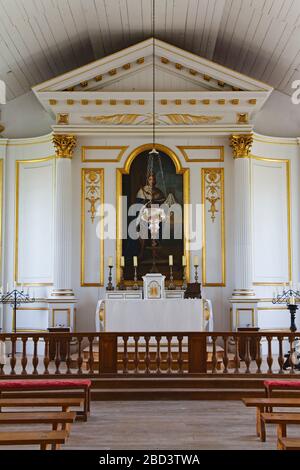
152 354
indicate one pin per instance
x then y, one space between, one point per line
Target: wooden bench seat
288 443
281 419
271 385
41 387
64 403
263 404
44 439
55 418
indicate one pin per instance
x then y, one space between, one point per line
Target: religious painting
164 187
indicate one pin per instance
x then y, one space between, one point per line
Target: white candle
22 287
15 284
7 287
110 262
196 261
292 300
170 260
135 261
183 260
122 262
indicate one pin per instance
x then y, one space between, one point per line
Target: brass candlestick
121 285
110 285
135 284
184 283
171 283
196 274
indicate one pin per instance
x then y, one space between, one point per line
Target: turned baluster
169 354
247 355
237 356
258 358
269 357
180 355
280 355
57 359
147 356
225 357
79 358
136 354
292 347
35 358
214 355
13 359
91 355
68 356
46 357
24 359
158 356
125 354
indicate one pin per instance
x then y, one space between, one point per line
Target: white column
241 145
64 146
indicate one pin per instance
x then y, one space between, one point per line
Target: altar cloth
141 315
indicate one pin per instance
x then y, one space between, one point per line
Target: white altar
140 315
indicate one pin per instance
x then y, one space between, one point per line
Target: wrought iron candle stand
288 297
110 284
196 273
15 298
121 285
184 283
135 279
171 285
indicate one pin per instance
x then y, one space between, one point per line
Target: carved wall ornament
92 191
242 118
115 119
64 145
192 119
147 119
212 181
241 145
62 118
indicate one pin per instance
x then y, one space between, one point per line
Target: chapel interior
149 224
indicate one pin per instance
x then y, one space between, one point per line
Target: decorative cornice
64 145
241 145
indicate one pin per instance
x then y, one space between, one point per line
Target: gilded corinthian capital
241 145
64 145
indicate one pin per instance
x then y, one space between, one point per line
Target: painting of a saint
153 193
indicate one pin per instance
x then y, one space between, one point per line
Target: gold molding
65 310
186 198
289 219
1 217
84 148
237 315
241 145
183 149
242 118
25 330
64 145
84 172
62 118
16 241
204 172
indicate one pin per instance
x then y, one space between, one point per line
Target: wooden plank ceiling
40 39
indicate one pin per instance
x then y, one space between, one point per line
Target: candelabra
15 298
171 283
196 273
135 283
288 297
110 284
184 283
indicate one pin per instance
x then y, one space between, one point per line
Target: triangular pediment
185 85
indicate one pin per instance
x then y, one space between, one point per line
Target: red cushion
44 384
282 383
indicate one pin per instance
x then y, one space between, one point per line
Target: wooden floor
168 425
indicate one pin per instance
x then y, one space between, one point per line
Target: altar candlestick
122 263
110 262
135 261
170 260
196 261
183 261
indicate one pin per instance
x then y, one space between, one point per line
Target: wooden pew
263 404
64 403
288 443
55 418
44 439
281 419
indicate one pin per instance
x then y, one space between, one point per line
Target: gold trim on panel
84 148
24 330
16 241
237 315
204 172
186 198
183 149
289 220
1 217
84 172
66 310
